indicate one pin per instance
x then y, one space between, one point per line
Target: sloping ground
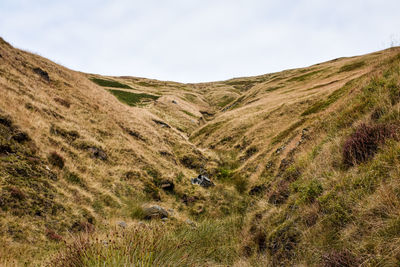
305 163
94 160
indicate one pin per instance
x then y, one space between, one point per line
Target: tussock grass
210 243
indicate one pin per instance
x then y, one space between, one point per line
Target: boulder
203 181
154 212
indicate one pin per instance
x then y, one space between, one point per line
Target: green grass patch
109 83
148 84
286 132
209 128
225 101
132 99
321 105
241 85
188 113
352 66
308 191
273 88
74 178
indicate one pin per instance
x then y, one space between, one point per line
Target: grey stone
155 211
190 222
122 224
203 181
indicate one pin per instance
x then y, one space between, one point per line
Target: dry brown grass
256 122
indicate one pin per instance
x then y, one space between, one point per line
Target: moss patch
132 99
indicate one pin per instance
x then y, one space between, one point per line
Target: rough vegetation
305 164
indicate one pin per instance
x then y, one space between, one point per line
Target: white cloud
193 41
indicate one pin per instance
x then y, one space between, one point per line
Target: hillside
305 164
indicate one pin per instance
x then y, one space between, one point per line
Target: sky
198 40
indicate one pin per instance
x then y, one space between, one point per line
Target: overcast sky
197 40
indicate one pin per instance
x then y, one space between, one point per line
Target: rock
304 133
42 73
280 149
163 124
269 165
257 190
203 181
98 153
154 212
190 222
174 102
122 224
167 185
189 199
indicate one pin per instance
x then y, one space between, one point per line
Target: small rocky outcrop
167 185
162 124
42 73
203 181
155 212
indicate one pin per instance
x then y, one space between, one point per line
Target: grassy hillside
305 164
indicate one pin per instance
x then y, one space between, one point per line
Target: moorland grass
110 83
132 99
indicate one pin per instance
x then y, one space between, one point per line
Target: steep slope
305 163
97 159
